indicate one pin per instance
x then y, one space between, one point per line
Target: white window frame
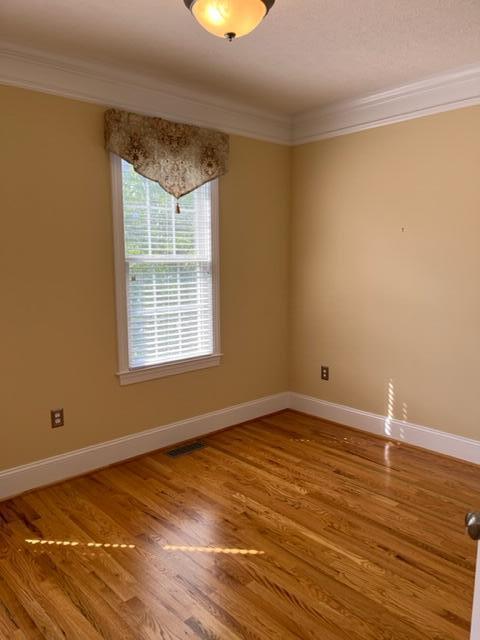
130 375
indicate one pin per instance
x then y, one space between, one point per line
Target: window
166 277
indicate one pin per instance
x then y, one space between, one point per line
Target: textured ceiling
307 53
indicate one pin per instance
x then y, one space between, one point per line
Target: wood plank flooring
283 528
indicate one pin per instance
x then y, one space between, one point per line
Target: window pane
169 288
170 312
152 226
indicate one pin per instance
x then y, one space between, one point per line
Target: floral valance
180 157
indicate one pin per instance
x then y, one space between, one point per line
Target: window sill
169 369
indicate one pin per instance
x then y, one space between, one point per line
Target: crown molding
91 82
108 86
452 90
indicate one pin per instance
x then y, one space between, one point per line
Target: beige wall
57 285
384 278
386 270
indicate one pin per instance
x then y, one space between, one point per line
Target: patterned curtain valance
180 157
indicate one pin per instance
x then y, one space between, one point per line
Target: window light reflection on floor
167 547
245 552
69 543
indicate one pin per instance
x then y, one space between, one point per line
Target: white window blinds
168 264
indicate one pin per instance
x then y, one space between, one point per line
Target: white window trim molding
127 375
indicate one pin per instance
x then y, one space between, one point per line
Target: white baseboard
415 434
67 465
17 480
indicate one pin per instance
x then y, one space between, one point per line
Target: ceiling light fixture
229 19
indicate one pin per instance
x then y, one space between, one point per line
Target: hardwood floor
282 528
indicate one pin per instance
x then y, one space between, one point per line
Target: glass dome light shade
229 18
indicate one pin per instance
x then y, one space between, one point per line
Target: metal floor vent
186 448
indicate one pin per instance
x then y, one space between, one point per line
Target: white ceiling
306 54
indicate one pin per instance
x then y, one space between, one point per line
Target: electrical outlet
56 417
325 373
